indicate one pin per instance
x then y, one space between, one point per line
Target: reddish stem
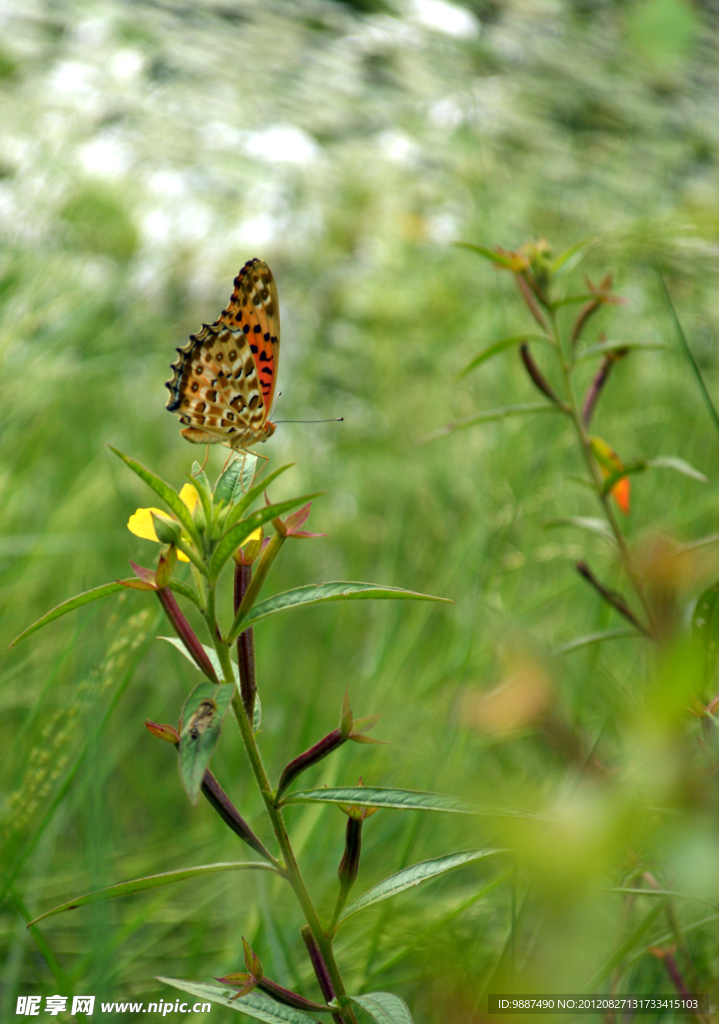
320 968
245 644
186 633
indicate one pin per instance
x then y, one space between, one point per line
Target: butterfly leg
227 462
207 455
257 455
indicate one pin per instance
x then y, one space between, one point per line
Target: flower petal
189 496
255 535
141 523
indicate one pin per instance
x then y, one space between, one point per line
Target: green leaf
400 799
705 628
500 346
256 1004
624 947
169 496
243 503
179 587
384 1007
501 259
489 416
425 871
568 259
678 465
202 485
111 892
690 356
209 651
249 469
670 893
340 590
228 483
596 638
588 523
237 479
613 346
571 300
199 477
239 533
69 606
661 462
202 718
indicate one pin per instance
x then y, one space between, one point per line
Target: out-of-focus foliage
149 149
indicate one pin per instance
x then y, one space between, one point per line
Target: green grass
135 182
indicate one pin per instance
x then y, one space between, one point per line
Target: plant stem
250 596
290 869
245 643
576 416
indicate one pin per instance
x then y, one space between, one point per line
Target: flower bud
255 978
164 732
326 745
165 566
168 530
349 865
199 517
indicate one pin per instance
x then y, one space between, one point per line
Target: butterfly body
224 378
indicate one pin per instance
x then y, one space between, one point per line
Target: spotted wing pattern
224 378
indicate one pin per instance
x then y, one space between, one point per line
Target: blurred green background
148 150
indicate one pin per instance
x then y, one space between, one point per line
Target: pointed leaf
506 260
178 587
256 1004
239 533
384 1008
198 476
678 465
111 892
501 346
199 481
314 593
596 638
570 257
169 496
202 718
588 523
490 416
243 502
229 483
209 651
236 481
571 300
249 470
614 346
425 871
74 602
400 799
660 462
705 628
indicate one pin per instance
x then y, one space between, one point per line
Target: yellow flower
142 523
189 496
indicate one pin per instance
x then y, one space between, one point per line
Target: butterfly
223 381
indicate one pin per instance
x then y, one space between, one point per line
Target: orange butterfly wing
224 379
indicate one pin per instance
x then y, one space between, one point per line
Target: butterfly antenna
337 419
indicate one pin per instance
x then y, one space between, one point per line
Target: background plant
211 528
143 164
